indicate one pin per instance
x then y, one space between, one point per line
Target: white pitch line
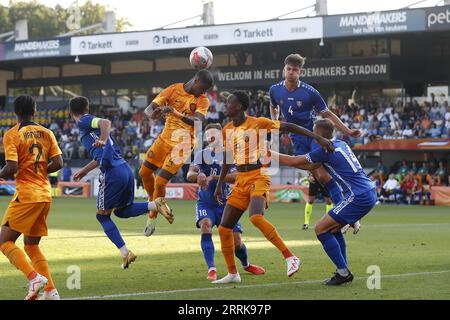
151 293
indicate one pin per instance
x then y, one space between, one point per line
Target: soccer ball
201 58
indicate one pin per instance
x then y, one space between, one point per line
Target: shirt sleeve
265 123
86 123
11 147
54 148
163 98
319 155
233 169
320 105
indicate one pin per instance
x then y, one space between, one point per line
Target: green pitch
410 245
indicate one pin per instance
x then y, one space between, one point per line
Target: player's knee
206 226
318 229
102 216
256 219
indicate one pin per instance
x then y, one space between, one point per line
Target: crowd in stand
410 182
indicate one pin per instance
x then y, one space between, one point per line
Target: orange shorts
160 155
248 185
28 218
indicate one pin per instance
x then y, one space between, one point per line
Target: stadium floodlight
20 32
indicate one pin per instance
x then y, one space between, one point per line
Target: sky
151 14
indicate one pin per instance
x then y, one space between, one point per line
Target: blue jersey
210 164
109 156
300 106
344 168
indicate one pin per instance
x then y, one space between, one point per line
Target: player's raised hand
218 195
99 143
201 180
78 176
355 133
167 109
326 144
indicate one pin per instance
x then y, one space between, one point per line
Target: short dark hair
295 59
205 77
24 106
79 105
243 98
327 128
217 126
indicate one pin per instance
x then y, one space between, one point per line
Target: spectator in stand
404 169
66 173
435 132
423 172
382 170
407 187
390 188
442 173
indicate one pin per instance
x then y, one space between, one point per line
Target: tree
44 21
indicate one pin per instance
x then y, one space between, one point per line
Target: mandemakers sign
36 49
438 18
374 23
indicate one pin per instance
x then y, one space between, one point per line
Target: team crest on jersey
299 104
193 107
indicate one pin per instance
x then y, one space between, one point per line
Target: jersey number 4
38 155
291 111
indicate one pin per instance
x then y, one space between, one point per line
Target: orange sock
148 180
227 243
40 264
18 259
271 234
159 192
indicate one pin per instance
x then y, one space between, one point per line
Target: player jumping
300 103
31 152
116 191
359 196
185 104
252 186
205 171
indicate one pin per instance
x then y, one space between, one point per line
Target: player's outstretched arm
105 130
189 120
340 125
9 170
299 162
56 164
293 128
83 172
153 111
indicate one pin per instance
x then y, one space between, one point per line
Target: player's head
25 107
213 132
324 128
293 67
203 82
238 102
79 106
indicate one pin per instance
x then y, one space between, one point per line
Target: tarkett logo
438 18
36 46
97 45
252 34
163 40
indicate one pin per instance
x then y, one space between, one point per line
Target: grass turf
409 244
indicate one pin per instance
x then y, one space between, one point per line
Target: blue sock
134 210
334 191
332 248
341 240
111 230
241 254
208 249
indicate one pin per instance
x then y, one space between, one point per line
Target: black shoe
338 280
305 227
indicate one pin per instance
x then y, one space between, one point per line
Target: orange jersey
244 141
185 103
31 146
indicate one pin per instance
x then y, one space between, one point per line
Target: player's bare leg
230 218
329 233
257 208
36 281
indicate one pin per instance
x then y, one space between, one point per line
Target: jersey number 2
38 147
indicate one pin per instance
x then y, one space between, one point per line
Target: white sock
152 206
124 250
343 272
212 269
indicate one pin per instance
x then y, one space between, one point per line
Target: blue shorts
116 188
213 213
353 209
303 145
